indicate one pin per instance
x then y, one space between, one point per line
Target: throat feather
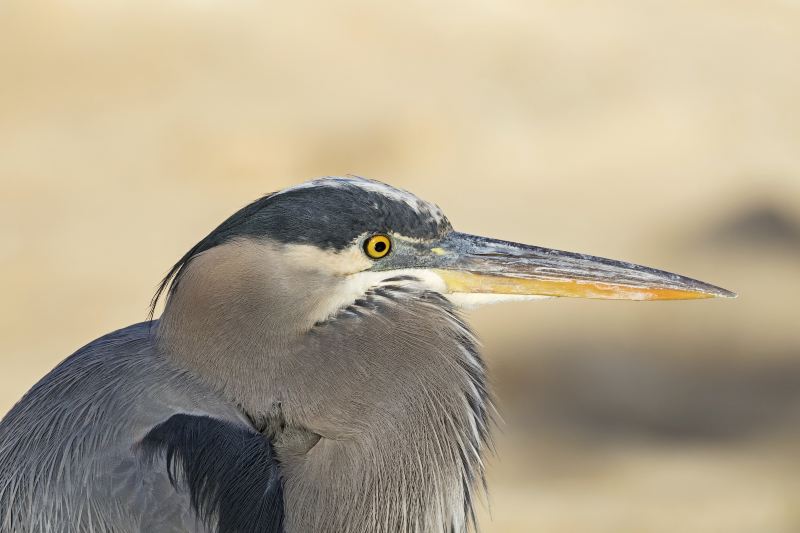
420 414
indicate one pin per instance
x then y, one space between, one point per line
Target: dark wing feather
230 472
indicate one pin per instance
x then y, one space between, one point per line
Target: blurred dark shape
618 393
760 225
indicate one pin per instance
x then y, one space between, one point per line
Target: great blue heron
310 373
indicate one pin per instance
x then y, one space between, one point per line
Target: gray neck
379 414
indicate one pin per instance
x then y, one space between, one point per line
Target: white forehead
389 192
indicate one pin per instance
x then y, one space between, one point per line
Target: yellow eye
377 246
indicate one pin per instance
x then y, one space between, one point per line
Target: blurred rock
628 393
761 225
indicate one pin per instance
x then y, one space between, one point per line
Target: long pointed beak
478 265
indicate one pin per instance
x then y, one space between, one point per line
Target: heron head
333 239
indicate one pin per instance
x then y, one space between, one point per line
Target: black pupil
380 246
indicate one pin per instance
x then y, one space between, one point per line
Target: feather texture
230 472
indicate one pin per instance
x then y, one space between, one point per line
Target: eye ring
377 246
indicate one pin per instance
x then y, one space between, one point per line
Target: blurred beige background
661 132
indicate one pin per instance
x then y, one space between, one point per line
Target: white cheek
469 300
356 285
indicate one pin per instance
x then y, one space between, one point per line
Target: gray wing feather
69 450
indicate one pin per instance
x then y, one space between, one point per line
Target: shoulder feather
230 471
